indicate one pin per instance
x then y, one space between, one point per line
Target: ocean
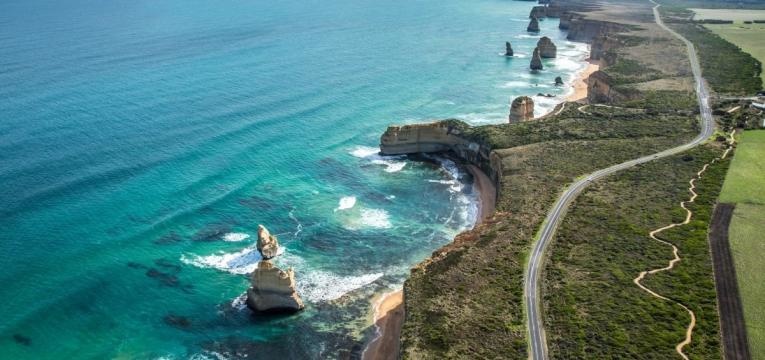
142 142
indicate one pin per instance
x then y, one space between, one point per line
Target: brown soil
732 327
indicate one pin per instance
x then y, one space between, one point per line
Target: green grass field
749 37
745 186
737 15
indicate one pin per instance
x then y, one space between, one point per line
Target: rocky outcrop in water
558 81
273 290
521 109
267 244
565 21
537 12
546 48
508 49
533 25
536 60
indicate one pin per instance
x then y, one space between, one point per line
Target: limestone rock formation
267 244
508 49
537 12
533 25
536 60
565 21
558 81
521 109
546 48
273 290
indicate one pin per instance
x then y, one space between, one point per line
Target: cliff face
521 109
440 137
602 49
586 30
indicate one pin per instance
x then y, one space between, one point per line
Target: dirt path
675 252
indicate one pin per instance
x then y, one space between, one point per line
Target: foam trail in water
346 202
392 163
235 237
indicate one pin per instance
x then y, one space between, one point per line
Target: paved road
538 346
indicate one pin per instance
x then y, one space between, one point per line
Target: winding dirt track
675 252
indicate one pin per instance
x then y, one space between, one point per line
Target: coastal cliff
448 137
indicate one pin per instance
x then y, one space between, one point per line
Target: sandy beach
580 83
389 316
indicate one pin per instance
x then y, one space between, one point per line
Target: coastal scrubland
726 67
592 307
466 301
744 187
749 37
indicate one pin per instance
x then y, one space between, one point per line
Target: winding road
537 343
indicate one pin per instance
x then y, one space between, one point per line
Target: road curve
537 343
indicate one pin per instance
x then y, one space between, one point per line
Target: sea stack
508 49
533 25
537 12
267 244
547 49
536 60
558 81
273 290
521 109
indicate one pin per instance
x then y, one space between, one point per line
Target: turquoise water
142 142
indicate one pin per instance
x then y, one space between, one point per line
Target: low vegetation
466 303
749 37
727 68
744 187
592 308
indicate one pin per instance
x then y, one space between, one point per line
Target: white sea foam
346 202
317 286
364 151
240 302
392 163
376 218
390 166
240 262
312 285
527 36
235 237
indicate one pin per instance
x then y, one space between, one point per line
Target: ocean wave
527 36
346 202
240 262
318 286
392 163
235 237
364 151
312 285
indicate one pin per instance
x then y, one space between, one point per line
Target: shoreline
389 309
580 82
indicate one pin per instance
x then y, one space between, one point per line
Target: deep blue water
141 142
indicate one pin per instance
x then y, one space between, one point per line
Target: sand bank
580 83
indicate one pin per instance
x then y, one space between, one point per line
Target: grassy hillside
745 186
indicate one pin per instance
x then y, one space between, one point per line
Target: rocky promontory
547 48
